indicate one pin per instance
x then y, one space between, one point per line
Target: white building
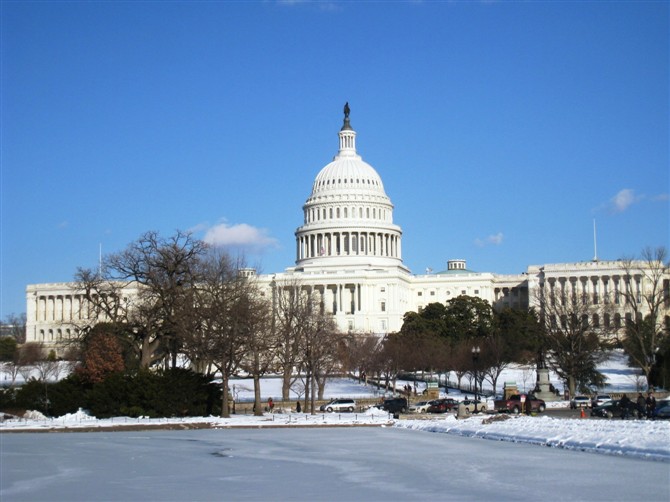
349 252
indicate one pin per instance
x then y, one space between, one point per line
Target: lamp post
475 358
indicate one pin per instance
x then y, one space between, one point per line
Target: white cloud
240 235
622 200
494 240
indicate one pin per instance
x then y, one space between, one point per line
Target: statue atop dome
346 126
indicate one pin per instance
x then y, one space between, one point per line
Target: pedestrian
641 406
624 403
651 404
271 404
298 409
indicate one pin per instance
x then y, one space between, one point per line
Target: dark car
395 405
662 412
613 409
442 405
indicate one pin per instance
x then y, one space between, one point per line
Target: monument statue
346 110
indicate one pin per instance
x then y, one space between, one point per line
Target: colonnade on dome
348 243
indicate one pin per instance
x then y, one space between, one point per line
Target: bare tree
261 343
360 354
645 295
571 324
13 369
321 348
391 358
48 368
224 303
162 271
29 355
15 325
291 311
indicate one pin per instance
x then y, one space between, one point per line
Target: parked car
515 405
662 412
395 405
470 405
442 405
600 399
420 407
612 409
339 405
579 402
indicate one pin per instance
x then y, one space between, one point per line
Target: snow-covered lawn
638 438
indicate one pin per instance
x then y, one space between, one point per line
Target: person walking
625 406
641 406
651 404
298 408
271 405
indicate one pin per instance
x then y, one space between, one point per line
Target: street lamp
475 358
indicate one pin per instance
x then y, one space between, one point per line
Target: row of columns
348 244
315 214
60 308
343 298
600 288
335 298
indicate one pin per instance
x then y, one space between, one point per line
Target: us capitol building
349 253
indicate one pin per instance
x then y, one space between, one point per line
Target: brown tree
101 356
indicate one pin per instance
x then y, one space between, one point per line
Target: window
432 293
383 306
420 293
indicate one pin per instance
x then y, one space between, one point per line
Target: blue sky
501 130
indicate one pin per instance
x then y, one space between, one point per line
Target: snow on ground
638 438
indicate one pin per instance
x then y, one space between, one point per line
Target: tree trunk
287 375
258 406
307 391
571 386
224 406
312 403
147 352
321 386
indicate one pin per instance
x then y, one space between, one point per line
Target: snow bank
639 438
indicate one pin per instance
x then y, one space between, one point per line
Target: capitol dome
348 218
